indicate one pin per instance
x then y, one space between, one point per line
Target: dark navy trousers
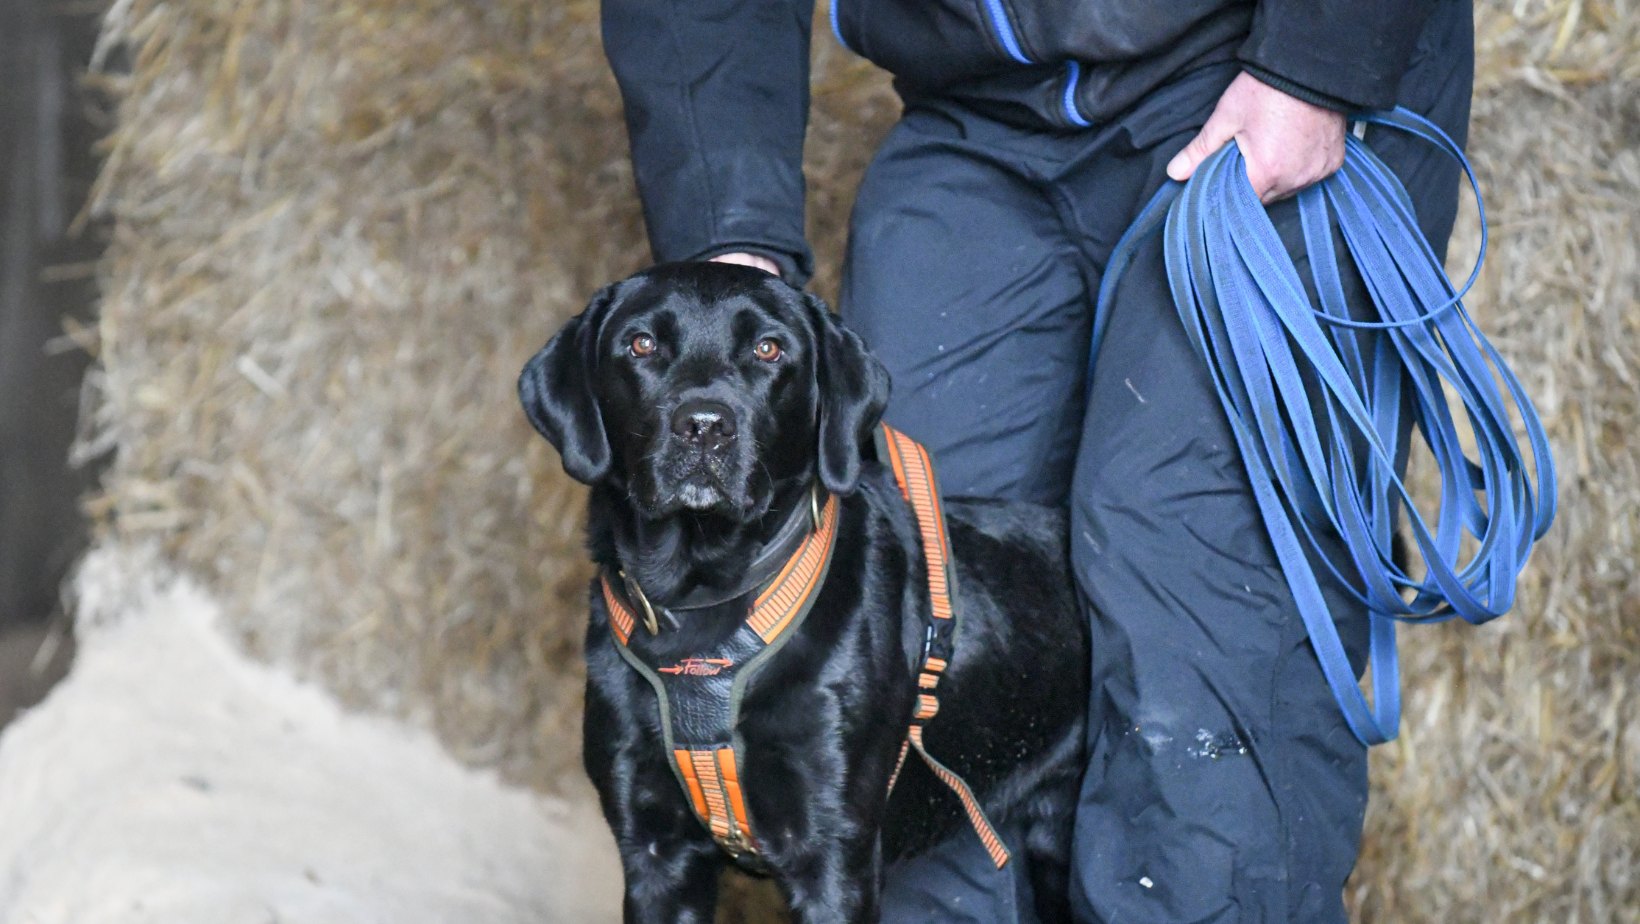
1223 784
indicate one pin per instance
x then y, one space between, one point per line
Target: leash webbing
914 473
1325 455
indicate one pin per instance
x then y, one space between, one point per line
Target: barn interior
323 237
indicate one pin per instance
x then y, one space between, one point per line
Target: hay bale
340 231
1511 795
341 228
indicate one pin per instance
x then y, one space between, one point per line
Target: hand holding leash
1288 143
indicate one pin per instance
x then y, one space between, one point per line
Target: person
1223 784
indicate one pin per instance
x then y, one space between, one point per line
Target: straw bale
342 227
1512 792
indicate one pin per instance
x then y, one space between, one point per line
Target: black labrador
700 402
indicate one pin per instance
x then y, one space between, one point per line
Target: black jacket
716 91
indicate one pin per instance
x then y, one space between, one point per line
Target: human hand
1287 143
749 259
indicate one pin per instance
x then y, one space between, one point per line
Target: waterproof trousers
1223 784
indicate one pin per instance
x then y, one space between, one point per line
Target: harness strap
712 778
914 473
700 695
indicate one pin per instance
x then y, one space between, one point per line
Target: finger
1270 178
1335 161
1277 187
1274 182
1277 193
1214 135
1278 171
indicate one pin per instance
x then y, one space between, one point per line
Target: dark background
50 119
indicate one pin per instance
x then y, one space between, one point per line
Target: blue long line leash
1249 319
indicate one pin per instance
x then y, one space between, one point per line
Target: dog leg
1050 868
670 862
1049 816
671 865
671 883
834 884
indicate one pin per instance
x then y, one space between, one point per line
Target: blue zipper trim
1005 31
837 29
1071 80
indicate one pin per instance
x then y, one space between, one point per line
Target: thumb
1214 135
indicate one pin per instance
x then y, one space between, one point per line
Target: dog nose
710 424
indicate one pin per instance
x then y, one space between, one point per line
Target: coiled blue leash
1248 317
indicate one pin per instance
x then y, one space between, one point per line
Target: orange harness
700 695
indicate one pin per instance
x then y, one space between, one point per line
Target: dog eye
643 345
767 349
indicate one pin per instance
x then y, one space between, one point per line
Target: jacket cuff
1353 51
1298 90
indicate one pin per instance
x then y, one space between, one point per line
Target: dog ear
853 389
556 391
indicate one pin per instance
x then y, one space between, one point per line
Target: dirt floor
169 780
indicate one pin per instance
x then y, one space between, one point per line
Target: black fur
824 720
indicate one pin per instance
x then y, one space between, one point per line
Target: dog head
702 387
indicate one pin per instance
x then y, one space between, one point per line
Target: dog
709 407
